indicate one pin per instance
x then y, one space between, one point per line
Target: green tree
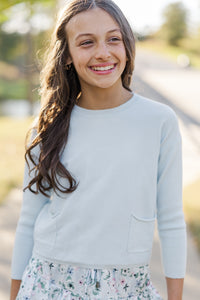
175 24
20 48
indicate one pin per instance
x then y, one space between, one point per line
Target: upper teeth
103 68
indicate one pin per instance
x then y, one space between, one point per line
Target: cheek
122 53
80 59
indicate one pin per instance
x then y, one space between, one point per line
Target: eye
85 43
115 39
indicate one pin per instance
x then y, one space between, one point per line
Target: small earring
68 67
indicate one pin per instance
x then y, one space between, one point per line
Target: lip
105 72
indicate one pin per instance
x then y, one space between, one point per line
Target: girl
102 165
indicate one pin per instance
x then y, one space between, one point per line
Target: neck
99 98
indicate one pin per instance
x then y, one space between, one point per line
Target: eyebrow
89 34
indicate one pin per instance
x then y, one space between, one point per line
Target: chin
106 85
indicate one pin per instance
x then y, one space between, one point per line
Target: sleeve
170 217
31 206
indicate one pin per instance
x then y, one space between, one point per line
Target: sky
146 14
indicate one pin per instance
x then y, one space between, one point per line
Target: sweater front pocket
140 235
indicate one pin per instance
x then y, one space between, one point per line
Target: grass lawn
191 200
14 84
12 141
13 89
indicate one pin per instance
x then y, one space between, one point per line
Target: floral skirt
44 280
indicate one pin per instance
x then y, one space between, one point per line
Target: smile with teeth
103 68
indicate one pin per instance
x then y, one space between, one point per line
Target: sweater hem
87 265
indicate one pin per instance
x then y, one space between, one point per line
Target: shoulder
155 109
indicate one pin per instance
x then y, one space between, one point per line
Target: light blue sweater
128 161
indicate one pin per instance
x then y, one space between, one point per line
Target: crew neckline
86 111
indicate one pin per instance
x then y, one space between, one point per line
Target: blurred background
167 70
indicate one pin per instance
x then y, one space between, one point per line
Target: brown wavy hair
59 90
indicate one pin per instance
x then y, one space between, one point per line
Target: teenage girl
103 163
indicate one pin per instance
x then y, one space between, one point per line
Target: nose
102 51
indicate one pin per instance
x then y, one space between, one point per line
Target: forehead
94 21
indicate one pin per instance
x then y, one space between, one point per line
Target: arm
15 285
31 206
171 223
174 288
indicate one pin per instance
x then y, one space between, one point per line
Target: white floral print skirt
44 280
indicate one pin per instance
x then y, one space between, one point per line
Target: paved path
154 78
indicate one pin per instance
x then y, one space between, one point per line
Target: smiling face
96 49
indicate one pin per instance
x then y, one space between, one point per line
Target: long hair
59 90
